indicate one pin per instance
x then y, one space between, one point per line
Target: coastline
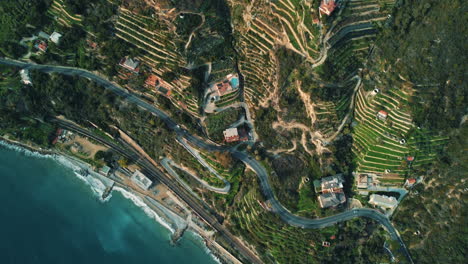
75 164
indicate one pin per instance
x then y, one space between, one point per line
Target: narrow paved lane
262 174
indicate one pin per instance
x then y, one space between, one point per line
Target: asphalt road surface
262 174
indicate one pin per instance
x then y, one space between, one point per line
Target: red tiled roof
382 112
409 158
411 181
152 80
327 7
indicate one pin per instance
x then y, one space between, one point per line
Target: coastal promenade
261 172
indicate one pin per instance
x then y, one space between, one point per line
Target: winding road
261 172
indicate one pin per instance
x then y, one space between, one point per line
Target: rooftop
130 64
55 37
331 199
152 80
231 134
383 201
327 7
141 180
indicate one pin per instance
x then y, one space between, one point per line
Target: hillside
372 88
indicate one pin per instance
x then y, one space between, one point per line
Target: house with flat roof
130 64
141 180
386 202
25 78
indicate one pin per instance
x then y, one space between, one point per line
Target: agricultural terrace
256 63
153 36
58 11
353 34
330 114
377 143
283 22
296 18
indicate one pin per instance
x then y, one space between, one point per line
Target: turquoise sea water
48 215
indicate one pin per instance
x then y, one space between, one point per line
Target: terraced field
285 22
277 238
161 52
330 114
377 143
59 12
352 35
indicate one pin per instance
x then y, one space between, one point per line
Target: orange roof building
382 115
152 80
327 7
410 182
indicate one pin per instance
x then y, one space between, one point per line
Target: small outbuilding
382 115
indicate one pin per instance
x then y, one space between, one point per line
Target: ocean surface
49 215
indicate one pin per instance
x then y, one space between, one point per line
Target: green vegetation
217 123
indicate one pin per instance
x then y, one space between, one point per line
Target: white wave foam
148 211
96 185
207 250
24 151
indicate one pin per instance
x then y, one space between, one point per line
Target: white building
141 180
55 37
25 77
231 134
383 201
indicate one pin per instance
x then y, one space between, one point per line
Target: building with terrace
228 85
366 180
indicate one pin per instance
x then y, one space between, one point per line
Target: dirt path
283 150
309 105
